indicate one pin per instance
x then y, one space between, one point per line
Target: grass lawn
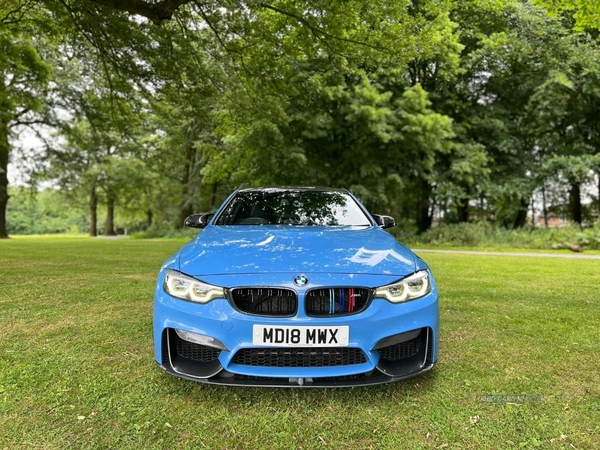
506 249
77 367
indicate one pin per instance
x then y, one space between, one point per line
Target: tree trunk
521 218
4 149
424 216
186 209
109 229
93 212
149 218
185 212
544 206
481 214
575 203
190 158
213 195
5 109
599 196
3 180
443 212
462 210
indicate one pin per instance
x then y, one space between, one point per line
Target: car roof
292 188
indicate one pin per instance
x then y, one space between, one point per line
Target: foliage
43 213
586 12
50 211
164 230
24 76
483 234
444 111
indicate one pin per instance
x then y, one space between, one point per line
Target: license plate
286 336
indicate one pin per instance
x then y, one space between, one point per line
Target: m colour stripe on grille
350 300
336 301
331 301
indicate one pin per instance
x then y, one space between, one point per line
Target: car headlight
188 288
412 287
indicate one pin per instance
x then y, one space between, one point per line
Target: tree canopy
428 110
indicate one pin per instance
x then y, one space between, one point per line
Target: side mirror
198 220
384 221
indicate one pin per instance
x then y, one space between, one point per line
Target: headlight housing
188 288
414 286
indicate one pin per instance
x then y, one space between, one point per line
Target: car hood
221 250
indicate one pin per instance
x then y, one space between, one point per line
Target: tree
121 180
40 212
332 115
510 49
23 78
576 170
586 12
75 166
440 108
567 123
259 47
155 11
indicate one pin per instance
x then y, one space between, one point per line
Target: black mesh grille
336 301
165 346
265 301
299 357
195 352
429 346
400 351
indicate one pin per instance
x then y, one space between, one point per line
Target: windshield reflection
292 207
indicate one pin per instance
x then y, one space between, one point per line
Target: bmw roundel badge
300 280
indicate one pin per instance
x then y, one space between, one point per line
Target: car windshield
292 207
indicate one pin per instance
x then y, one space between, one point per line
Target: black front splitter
225 378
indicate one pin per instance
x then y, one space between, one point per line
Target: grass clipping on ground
519 362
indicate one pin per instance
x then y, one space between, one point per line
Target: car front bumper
387 342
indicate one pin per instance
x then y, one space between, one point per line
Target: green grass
77 367
502 249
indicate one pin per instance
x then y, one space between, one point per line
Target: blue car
295 287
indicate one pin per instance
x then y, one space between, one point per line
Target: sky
25 148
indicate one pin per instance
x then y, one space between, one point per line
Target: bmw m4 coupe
295 287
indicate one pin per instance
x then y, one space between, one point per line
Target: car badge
300 280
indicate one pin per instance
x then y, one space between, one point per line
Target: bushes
165 230
463 234
44 212
487 235
456 235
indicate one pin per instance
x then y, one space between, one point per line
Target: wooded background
428 110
